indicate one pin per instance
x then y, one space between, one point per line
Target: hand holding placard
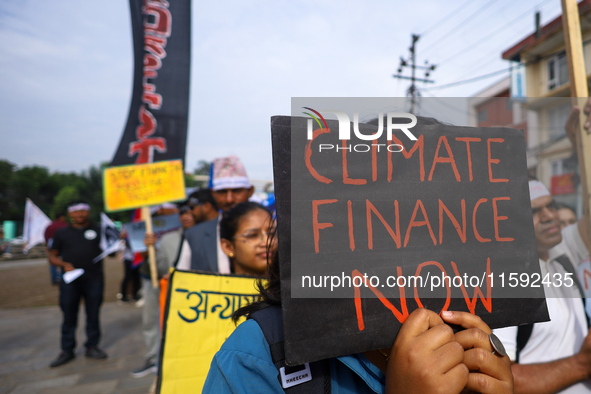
423 344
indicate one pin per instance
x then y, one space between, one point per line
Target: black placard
455 203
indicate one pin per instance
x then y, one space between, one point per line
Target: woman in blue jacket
426 357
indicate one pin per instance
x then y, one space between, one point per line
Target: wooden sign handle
151 249
579 91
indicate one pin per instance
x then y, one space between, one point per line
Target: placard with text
376 220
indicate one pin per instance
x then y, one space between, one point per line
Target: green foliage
190 181
203 168
66 195
51 192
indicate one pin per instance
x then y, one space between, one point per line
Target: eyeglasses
552 206
255 237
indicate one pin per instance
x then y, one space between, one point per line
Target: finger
474 338
466 320
447 357
419 321
437 336
481 383
480 360
456 378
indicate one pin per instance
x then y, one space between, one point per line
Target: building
493 106
541 58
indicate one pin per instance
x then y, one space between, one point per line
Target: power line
442 102
465 81
486 58
473 45
524 64
445 18
457 27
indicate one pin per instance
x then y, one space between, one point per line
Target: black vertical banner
156 128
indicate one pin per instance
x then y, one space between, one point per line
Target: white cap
537 189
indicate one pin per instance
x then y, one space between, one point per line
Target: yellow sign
198 319
140 185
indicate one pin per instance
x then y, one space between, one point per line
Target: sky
66 68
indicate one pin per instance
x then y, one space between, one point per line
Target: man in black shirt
74 247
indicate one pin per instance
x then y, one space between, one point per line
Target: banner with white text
156 128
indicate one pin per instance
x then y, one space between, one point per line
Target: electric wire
490 35
458 26
470 80
445 18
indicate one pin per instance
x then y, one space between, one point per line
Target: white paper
70 276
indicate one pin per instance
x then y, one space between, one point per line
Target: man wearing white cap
75 247
554 356
230 186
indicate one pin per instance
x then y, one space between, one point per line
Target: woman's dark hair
270 291
231 218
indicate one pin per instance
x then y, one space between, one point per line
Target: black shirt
78 246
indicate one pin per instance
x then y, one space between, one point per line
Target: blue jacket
243 365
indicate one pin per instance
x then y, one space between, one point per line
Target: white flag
35 224
110 242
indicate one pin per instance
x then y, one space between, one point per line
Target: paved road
8 265
26 283
29 337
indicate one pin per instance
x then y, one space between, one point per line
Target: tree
203 168
6 170
51 192
66 195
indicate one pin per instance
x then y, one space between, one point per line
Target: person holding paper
73 249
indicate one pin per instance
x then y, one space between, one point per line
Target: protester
230 186
59 221
202 205
150 297
245 230
204 209
4 247
566 215
554 356
426 357
75 247
131 274
197 208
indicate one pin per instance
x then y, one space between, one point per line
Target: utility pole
413 92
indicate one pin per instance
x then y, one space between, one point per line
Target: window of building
482 115
557 118
557 71
556 167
